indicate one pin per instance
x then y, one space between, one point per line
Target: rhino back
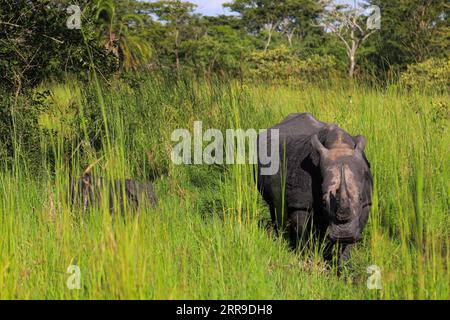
299 124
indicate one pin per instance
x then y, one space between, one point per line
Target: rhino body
324 184
89 191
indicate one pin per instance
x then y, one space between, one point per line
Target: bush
319 68
282 65
58 111
279 64
36 44
432 74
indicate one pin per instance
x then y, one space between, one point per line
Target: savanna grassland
207 239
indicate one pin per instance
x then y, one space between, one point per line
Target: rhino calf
89 191
324 185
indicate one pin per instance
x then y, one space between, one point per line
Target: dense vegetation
169 36
107 97
207 238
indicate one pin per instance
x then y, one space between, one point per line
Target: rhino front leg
344 257
340 252
298 228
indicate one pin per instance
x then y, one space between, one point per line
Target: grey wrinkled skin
88 191
324 185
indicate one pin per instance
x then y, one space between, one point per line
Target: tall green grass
206 239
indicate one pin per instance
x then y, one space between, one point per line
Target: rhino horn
343 193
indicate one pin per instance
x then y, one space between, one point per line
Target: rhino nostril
343 216
342 221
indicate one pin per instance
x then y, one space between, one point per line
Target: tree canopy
170 36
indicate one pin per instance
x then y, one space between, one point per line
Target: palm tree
123 34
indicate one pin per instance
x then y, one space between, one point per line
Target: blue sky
214 7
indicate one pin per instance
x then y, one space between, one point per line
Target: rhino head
344 176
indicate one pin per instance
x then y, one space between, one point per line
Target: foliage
122 32
432 74
412 32
282 65
166 36
278 64
318 68
346 23
220 48
178 24
35 43
440 115
56 105
290 18
204 241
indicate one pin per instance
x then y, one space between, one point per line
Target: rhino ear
318 146
360 142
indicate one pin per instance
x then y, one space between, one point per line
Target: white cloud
210 7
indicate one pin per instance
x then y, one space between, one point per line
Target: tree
221 47
347 25
176 17
122 31
36 44
412 32
298 17
286 17
260 16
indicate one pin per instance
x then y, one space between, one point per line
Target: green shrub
59 111
440 114
282 65
432 74
318 68
277 65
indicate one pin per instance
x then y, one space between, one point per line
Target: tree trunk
351 70
177 56
290 36
352 55
269 38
